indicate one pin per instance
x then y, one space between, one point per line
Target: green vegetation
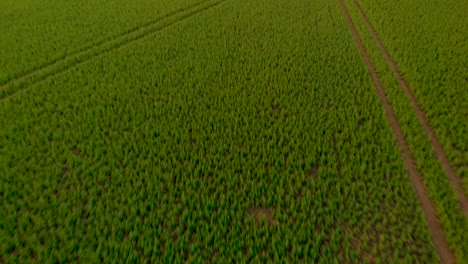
437 185
236 130
428 41
38 33
105 46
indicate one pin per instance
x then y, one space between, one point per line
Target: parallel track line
428 208
454 180
62 65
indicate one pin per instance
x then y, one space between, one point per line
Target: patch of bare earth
76 151
260 213
313 174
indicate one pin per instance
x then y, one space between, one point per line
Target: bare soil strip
63 64
454 180
436 231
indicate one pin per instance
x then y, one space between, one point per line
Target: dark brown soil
455 181
436 231
298 194
313 173
261 212
76 151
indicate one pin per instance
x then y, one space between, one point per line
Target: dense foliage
248 131
442 194
428 40
38 33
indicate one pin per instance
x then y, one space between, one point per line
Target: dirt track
454 180
436 231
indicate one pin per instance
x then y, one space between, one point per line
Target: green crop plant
246 131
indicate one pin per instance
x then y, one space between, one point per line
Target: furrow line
436 231
110 45
94 45
454 180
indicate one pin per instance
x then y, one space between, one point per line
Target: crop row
435 178
38 34
251 132
60 66
427 39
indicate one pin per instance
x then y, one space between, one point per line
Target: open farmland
227 131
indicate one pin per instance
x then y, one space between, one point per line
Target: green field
227 131
429 41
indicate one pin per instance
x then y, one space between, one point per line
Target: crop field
233 131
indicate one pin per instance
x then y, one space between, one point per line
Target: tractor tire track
435 229
62 65
91 46
454 180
